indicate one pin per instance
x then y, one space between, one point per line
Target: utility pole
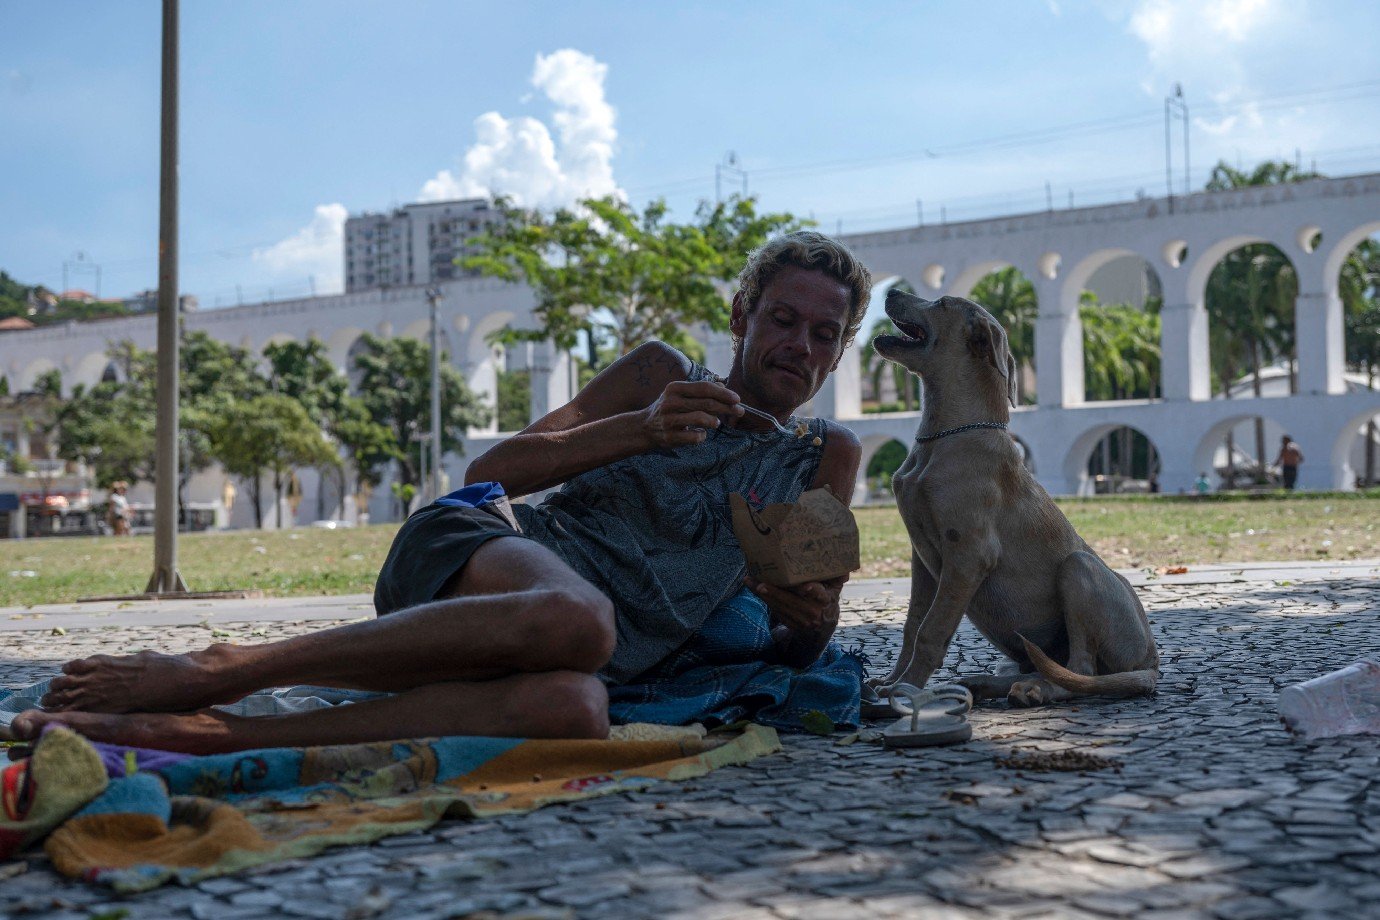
433 297
729 167
79 262
166 578
1175 104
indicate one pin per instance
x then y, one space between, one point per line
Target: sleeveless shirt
654 531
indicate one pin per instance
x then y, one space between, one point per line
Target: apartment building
414 244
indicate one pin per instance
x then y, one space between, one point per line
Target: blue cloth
724 673
473 496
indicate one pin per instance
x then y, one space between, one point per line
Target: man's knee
581 704
581 620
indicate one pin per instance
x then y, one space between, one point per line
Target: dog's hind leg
1111 650
998 683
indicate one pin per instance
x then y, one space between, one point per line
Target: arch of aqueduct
1058 250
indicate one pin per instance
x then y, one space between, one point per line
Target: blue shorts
436 542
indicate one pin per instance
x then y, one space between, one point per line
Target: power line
1110 124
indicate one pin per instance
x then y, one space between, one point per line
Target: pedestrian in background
117 509
1288 461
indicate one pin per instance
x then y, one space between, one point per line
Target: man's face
792 339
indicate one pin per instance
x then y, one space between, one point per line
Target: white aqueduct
1316 224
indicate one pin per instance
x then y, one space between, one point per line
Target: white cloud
1204 44
520 158
1231 56
316 250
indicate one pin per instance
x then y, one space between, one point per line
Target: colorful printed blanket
134 819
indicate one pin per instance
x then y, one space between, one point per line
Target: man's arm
806 615
640 402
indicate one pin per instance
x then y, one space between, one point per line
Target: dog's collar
948 431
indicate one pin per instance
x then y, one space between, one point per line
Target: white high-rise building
415 244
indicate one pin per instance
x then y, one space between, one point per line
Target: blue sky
295 114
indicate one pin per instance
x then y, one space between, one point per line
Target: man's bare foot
143 682
204 732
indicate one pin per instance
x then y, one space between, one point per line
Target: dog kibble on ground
1062 761
1216 812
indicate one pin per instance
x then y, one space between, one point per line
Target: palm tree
1250 300
1121 360
1360 293
1010 297
1270 172
876 368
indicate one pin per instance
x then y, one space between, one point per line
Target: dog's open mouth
912 333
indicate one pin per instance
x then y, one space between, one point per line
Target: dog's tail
1127 683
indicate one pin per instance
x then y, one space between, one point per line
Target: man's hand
685 411
805 617
811 608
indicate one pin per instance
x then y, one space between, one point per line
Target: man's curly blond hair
809 249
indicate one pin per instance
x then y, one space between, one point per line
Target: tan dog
986 538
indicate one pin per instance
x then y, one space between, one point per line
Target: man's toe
26 725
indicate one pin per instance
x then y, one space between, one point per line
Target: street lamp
433 297
166 579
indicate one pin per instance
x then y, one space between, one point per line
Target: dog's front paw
1035 692
879 685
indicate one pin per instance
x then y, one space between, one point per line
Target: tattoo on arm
645 363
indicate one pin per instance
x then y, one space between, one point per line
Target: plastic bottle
1345 702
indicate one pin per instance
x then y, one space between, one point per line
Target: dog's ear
988 339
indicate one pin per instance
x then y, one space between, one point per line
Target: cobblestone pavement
1215 811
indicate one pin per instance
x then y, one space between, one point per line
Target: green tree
271 433
514 400
214 380
303 371
1360 292
619 276
1121 350
395 389
49 384
1271 172
1121 360
1010 297
1250 300
877 369
112 425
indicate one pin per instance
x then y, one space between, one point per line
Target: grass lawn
1140 532
1128 532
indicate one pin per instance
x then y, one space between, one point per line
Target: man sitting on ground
485 631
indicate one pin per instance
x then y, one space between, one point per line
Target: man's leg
558 704
519 609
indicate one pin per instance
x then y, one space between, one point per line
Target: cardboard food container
813 539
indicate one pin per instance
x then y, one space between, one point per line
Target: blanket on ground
723 674
726 672
134 819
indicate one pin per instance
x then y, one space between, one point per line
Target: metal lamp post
433 297
166 579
